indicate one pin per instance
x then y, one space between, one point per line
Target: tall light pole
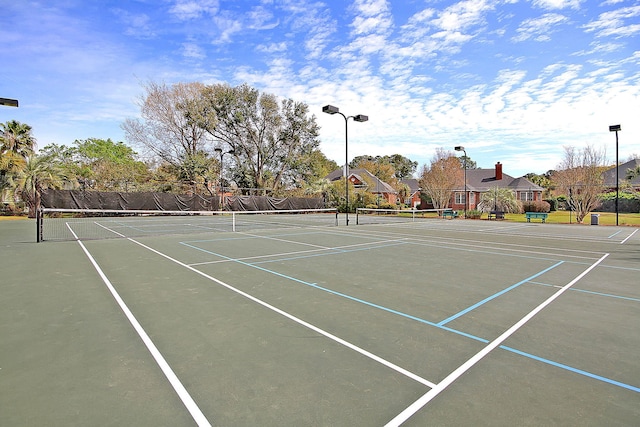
330 109
616 129
461 148
222 153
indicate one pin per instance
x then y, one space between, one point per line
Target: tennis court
422 322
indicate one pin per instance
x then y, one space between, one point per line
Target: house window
460 199
526 196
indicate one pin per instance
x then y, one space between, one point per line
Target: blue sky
513 80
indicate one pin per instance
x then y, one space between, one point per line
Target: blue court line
496 295
617 232
591 292
572 369
427 322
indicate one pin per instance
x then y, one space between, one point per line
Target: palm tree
632 173
16 144
39 173
16 137
499 199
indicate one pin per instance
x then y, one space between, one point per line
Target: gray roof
412 183
609 176
378 186
481 180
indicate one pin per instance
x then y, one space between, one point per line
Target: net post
39 224
357 216
233 221
337 218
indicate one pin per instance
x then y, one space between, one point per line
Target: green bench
536 215
449 214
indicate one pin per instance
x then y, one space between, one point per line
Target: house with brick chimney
482 180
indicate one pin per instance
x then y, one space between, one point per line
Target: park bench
496 215
449 214
536 215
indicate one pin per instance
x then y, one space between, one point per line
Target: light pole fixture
330 109
222 153
616 129
9 102
461 148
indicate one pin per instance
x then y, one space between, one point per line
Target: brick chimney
498 171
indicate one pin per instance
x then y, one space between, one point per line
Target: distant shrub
537 206
474 214
627 202
553 204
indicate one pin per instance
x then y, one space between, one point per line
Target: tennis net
391 216
86 224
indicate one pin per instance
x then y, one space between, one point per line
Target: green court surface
425 323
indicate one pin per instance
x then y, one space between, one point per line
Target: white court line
182 392
623 242
442 385
299 321
336 249
495 248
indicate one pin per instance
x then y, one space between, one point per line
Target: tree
16 145
168 129
579 176
39 173
543 180
401 166
103 164
313 168
270 138
377 166
16 137
335 195
441 177
499 199
113 165
404 167
632 173
471 164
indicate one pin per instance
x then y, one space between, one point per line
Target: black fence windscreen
77 214
78 199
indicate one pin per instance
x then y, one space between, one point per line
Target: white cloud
557 4
539 29
612 23
137 24
463 15
192 50
186 10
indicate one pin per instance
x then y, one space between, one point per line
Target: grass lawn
558 217
563 217
6 218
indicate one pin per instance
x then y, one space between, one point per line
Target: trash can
595 219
